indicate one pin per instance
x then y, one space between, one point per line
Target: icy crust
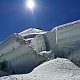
10 43
32 47
31 31
17 51
67 24
56 69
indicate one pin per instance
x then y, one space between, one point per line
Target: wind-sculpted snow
57 69
22 52
31 32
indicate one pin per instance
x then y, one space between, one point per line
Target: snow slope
56 69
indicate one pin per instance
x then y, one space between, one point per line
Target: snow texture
31 31
57 69
19 53
22 52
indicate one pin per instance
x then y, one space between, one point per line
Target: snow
38 43
56 69
22 58
19 53
67 25
10 43
31 31
75 58
64 39
28 49
47 54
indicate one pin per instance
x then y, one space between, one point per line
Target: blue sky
14 17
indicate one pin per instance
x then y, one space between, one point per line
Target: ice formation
22 52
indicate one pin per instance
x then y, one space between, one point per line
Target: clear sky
14 17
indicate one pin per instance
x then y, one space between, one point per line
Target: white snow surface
31 31
56 69
67 24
